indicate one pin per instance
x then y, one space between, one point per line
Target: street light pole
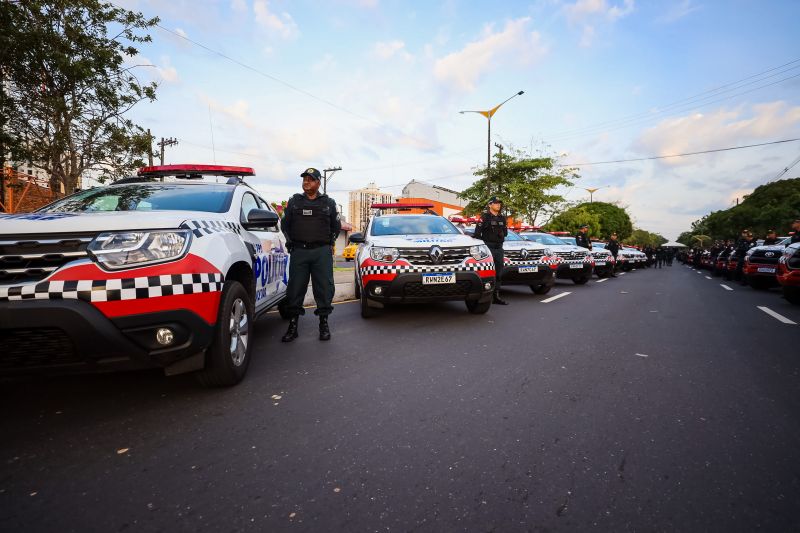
489 114
592 191
325 174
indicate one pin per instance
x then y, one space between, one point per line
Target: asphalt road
658 401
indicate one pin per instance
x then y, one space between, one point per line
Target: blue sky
376 87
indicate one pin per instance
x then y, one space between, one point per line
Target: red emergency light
558 233
205 170
401 206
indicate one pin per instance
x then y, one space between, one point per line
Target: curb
343 291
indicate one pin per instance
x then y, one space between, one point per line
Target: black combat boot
291 333
497 300
324 330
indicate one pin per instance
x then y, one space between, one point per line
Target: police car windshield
569 240
543 238
513 237
598 244
412 225
147 197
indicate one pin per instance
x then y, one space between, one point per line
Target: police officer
796 230
613 247
740 251
582 237
492 230
311 225
772 238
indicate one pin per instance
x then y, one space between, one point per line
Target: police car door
269 257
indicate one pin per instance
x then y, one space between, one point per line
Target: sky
376 86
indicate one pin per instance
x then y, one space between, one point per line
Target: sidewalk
345 289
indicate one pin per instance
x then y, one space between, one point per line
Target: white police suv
420 258
167 269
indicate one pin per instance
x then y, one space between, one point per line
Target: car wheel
541 289
580 281
366 310
356 286
478 308
228 356
792 295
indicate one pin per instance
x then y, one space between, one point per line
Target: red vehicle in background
789 273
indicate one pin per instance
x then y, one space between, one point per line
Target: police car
408 258
761 264
168 269
603 260
570 262
789 273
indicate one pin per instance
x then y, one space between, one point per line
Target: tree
610 219
525 184
68 88
642 238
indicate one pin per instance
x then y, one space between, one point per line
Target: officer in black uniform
311 225
740 251
613 247
492 230
772 237
582 237
796 230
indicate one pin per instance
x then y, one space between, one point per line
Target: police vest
493 228
311 220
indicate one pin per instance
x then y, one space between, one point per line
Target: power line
787 169
650 158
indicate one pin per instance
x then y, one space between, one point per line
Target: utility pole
166 142
149 148
325 180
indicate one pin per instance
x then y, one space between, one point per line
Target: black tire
478 308
792 295
356 286
223 367
366 310
541 289
602 275
347 259
580 281
283 310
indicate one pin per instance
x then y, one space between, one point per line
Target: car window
146 197
412 225
543 238
249 203
569 240
513 237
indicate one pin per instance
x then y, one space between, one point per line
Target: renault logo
436 254
524 253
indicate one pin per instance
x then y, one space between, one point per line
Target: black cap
584 226
495 200
311 172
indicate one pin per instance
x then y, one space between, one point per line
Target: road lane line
602 280
708 277
725 287
776 316
621 274
556 297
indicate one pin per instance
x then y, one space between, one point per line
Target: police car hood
38 223
566 248
445 240
769 248
518 245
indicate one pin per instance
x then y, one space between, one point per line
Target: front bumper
565 270
512 276
408 288
61 336
760 270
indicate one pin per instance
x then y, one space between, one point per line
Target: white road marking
556 297
725 287
708 277
602 280
775 315
642 355
621 274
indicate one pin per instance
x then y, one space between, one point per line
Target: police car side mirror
261 219
356 238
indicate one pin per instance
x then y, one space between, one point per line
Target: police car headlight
139 248
386 255
548 251
480 252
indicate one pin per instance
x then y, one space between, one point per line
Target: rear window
412 225
147 197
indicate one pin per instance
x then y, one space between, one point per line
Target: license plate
576 265
767 270
600 263
438 279
527 270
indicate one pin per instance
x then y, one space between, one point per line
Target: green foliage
524 183
771 206
68 88
642 238
609 219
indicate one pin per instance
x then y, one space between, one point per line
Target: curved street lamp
489 114
592 191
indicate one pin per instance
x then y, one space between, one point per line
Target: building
360 202
446 202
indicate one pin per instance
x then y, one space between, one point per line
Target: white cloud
678 11
151 71
590 13
281 24
388 49
166 71
463 69
239 6
719 129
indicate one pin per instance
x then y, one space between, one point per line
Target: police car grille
25 258
571 256
417 289
516 255
421 256
36 347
